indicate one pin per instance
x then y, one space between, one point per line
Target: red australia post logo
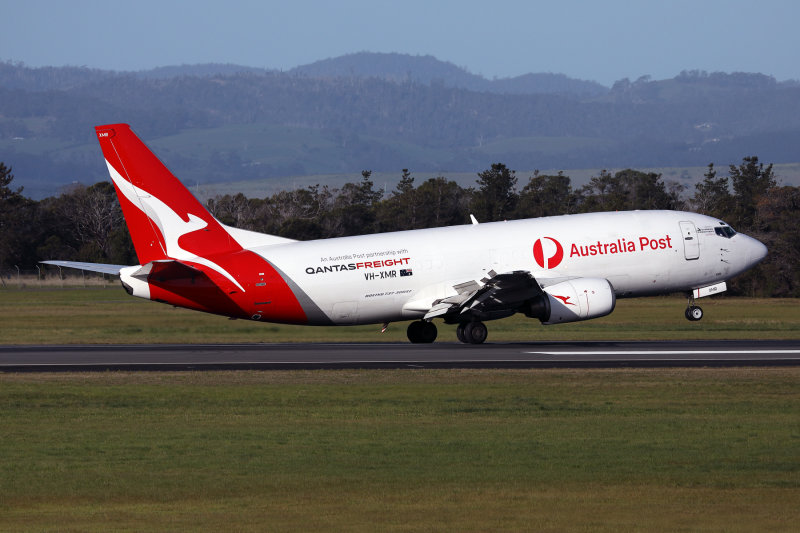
548 252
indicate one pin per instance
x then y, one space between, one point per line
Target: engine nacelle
573 300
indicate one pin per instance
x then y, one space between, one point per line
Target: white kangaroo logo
172 226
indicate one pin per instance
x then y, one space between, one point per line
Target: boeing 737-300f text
555 269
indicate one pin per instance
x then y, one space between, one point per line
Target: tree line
85 223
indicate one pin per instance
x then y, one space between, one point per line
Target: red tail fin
164 219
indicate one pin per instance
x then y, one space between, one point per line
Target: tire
475 332
421 332
413 332
696 313
428 332
460 333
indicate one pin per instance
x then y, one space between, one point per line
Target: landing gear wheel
460 332
475 332
422 332
694 313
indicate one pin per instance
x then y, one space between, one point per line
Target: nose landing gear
693 312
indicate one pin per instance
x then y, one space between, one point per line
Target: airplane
555 269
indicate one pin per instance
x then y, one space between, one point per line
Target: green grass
414 450
108 315
410 450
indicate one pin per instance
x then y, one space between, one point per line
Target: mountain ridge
387 66
225 123
427 70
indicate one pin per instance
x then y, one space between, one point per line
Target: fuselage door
691 246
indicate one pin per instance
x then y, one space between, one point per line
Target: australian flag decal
406 272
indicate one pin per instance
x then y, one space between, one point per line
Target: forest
86 224
231 126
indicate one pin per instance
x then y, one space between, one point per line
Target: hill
224 123
428 70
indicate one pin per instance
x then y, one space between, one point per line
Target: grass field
405 450
108 315
412 450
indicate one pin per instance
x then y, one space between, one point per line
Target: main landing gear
693 312
472 332
422 332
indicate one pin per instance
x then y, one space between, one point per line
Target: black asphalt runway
438 355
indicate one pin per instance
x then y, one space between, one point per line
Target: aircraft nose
756 251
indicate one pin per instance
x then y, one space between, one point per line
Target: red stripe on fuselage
266 294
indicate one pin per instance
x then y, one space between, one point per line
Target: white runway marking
670 352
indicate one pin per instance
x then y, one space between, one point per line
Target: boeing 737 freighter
554 269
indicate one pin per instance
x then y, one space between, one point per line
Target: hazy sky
601 40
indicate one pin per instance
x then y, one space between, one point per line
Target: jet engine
573 300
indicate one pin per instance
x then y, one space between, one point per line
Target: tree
301 212
19 231
86 224
95 213
6 177
545 195
399 211
442 202
777 212
237 210
629 189
751 180
496 196
712 196
354 207
601 194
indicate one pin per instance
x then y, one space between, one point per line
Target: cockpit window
725 231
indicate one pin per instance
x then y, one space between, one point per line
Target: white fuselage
398 276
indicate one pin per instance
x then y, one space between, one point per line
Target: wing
91 267
495 296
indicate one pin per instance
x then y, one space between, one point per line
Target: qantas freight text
380 263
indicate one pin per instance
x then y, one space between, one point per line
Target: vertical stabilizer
165 220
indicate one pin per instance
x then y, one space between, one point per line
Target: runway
439 355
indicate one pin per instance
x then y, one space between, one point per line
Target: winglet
473 219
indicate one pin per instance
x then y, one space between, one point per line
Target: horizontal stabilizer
166 270
101 268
